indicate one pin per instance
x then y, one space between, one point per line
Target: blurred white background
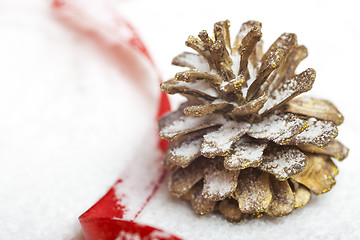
69 122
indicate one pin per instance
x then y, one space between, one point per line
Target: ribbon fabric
114 215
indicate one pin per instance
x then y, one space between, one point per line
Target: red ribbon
109 218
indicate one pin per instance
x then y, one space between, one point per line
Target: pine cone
241 144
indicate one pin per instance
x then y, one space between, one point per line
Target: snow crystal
283 162
157 235
219 183
315 129
219 142
253 195
187 149
137 182
170 117
191 123
278 128
244 154
280 94
319 133
256 198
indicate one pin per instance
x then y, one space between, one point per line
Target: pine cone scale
245 153
219 182
275 161
278 128
199 203
319 174
334 149
317 108
253 192
218 143
283 200
301 193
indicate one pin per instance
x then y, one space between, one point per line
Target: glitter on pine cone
242 144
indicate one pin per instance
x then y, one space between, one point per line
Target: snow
187 124
219 182
244 154
219 142
319 133
138 178
64 137
70 121
279 96
283 162
278 128
185 150
252 77
123 235
255 197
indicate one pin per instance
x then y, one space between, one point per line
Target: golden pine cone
241 144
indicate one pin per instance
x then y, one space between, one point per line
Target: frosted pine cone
242 144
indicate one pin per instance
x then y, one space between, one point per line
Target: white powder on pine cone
219 183
319 132
283 162
185 124
251 190
277 128
244 154
253 199
222 139
280 94
187 149
316 129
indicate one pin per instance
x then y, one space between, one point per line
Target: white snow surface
65 137
70 122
